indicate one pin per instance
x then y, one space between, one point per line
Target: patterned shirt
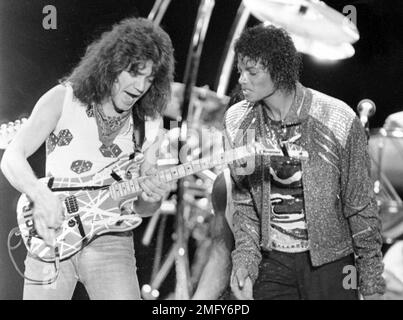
287 217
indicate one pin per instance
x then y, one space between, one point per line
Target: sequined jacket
340 206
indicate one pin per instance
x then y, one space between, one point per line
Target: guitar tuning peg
10 128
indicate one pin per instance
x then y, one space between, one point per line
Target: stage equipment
386 151
316 29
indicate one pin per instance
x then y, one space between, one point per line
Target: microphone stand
366 128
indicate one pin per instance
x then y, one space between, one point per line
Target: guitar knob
71 223
128 175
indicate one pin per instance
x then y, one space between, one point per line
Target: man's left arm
361 210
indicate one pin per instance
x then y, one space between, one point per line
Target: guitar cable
15 232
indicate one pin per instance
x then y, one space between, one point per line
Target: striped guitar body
88 211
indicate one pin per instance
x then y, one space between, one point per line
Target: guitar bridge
71 204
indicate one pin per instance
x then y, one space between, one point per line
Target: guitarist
109 105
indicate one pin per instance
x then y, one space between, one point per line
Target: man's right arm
19 173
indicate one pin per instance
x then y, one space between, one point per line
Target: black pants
291 276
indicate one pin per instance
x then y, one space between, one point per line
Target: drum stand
389 202
178 253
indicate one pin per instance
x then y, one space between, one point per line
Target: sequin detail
334 114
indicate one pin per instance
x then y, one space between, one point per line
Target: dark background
32 60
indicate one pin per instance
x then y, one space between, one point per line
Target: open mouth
132 95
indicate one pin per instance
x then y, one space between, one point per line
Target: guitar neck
129 187
126 188
195 166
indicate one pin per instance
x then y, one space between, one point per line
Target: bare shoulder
47 111
53 98
42 121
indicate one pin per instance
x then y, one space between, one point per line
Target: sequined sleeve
245 223
360 208
246 226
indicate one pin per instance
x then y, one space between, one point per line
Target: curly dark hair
275 50
132 42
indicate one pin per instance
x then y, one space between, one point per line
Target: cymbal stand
227 59
158 11
182 290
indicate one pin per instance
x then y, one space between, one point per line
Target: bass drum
386 151
393 271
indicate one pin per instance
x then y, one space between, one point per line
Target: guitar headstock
9 130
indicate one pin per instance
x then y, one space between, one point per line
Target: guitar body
87 213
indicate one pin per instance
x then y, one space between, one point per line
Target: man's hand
241 284
47 214
154 190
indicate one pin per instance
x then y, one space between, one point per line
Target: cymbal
203 98
310 19
394 121
392 132
323 50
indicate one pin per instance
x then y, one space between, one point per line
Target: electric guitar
92 204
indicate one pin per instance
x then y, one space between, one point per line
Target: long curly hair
131 42
275 50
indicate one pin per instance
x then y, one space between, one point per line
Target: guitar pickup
71 204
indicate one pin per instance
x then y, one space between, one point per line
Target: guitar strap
142 131
140 125
81 229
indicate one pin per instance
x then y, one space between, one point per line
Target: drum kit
317 30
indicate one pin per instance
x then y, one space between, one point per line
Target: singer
297 225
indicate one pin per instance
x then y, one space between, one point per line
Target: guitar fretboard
131 187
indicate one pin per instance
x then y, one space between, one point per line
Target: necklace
278 132
108 126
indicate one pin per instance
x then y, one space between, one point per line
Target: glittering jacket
340 206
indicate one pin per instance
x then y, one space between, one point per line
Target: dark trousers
291 276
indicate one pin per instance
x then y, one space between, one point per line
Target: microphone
366 109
